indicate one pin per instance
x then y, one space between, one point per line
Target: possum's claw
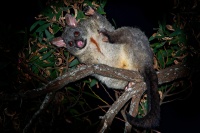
103 32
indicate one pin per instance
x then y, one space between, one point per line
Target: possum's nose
76 33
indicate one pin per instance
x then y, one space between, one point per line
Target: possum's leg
116 36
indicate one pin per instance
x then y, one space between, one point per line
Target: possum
95 41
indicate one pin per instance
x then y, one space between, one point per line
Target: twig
44 105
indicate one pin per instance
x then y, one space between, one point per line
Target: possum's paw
103 32
88 10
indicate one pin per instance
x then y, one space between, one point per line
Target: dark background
180 116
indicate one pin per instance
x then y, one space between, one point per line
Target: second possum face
75 39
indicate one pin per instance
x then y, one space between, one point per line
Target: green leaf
80 15
174 41
34 58
161 58
103 3
176 33
74 111
100 10
74 63
53 74
39 22
170 61
93 82
56 28
43 27
34 69
43 50
151 38
159 45
40 37
48 35
43 64
66 53
58 14
47 55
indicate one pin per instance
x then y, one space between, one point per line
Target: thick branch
135 91
172 73
164 76
82 72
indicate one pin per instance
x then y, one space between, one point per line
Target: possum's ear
70 20
58 41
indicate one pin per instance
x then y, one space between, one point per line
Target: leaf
56 28
58 15
80 15
93 82
159 45
34 69
103 3
53 74
46 55
176 33
43 27
74 111
32 59
170 61
161 59
74 63
39 22
151 38
174 41
48 35
43 50
100 10
66 53
40 37
43 64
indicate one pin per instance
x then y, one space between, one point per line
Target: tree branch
164 76
80 73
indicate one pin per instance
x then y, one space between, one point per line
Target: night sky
176 117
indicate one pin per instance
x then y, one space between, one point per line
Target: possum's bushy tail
151 120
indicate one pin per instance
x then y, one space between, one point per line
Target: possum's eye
76 33
70 43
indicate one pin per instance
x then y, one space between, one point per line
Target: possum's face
75 39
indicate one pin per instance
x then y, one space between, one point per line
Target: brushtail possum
95 41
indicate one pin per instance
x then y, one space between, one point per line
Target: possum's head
73 38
